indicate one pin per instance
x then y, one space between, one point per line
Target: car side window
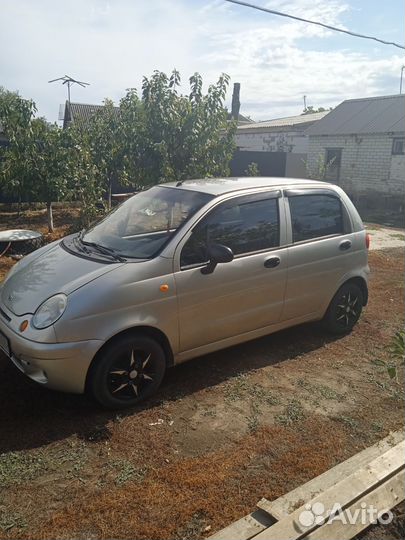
314 216
244 225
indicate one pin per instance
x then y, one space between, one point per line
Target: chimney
235 101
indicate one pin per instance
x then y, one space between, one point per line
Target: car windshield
143 224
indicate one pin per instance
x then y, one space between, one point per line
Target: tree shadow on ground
32 416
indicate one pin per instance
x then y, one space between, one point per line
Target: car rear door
321 250
244 294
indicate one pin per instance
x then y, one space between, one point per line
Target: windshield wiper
102 249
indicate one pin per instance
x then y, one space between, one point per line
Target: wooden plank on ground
289 502
245 528
384 498
345 492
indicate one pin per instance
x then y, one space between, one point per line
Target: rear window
315 216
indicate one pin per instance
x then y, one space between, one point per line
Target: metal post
400 83
69 82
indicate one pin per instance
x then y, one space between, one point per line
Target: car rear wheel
344 310
128 371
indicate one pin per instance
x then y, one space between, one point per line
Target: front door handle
272 262
346 244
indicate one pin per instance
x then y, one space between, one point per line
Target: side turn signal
23 326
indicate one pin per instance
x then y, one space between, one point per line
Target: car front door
239 296
321 250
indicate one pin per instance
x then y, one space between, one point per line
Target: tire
344 310
128 371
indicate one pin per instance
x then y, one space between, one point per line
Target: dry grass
219 487
252 421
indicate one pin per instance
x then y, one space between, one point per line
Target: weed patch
293 412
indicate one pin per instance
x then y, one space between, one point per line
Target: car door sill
241 338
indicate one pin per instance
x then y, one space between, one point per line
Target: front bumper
61 366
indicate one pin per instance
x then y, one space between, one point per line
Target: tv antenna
69 81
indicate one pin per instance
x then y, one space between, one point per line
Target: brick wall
368 167
272 141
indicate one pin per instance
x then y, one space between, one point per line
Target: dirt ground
385 237
225 429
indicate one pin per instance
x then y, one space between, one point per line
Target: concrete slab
385 237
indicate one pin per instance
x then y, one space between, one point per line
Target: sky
113 44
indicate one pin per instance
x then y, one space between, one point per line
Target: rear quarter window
315 216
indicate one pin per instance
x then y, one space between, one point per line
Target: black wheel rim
348 310
131 374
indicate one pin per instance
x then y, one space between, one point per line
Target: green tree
34 165
170 136
16 117
84 175
49 156
319 169
161 136
311 110
252 169
104 139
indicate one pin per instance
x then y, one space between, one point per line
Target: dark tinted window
313 216
398 146
244 226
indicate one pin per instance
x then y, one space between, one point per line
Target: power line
273 12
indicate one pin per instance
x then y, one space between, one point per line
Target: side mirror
217 254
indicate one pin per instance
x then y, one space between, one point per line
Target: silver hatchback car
180 270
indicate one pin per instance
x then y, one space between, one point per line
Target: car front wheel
344 310
128 370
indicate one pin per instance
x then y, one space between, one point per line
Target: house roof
288 121
383 114
81 112
241 119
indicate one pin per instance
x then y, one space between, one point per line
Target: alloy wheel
131 374
348 310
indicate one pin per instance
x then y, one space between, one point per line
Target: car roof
221 186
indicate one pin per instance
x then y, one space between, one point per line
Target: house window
398 146
333 160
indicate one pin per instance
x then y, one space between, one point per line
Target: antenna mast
69 81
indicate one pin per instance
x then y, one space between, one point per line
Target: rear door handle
272 262
346 244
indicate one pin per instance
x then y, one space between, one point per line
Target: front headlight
50 311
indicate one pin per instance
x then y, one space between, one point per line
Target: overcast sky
112 44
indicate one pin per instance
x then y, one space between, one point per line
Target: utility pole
305 103
400 82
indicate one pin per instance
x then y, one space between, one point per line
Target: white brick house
286 135
279 135
364 140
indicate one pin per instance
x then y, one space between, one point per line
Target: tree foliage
35 163
311 110
103 139
157 136
170 136
16 116
252 169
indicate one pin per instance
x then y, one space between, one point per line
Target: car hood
40 276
